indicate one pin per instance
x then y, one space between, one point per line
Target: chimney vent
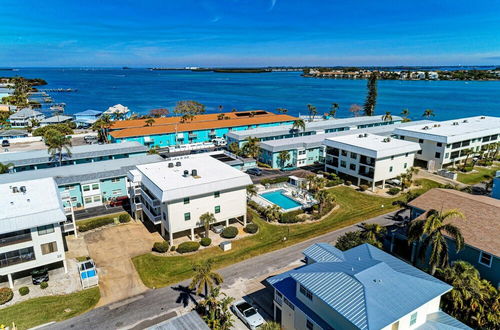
170 165
178 164
194 172
23 189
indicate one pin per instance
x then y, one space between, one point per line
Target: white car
248 314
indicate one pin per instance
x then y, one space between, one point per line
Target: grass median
156 271
478 174
36 311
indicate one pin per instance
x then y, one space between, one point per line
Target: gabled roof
481 229
88 113
56 119
369 288
442 321
323 252
25 113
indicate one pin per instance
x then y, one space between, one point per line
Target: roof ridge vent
455 123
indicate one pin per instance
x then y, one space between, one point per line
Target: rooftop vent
177 164
170 165
465 121
15 190
23 189
186 173
455 123
360 135
194 172
425 127
365 135
387 139
483 117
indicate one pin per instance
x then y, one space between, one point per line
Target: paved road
139 311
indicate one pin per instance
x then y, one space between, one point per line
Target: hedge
291 217
188 247
251 228
95 223
393 191
363 187
206 241
123 218
275 180
160 247
229 232
44 285
62 128
6 295
24 290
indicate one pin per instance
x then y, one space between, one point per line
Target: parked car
119 201
39 275
218 229
248 314
254 171
394 182
5 143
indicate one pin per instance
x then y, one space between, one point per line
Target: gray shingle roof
25 113
189 321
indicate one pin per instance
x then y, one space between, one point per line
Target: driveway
112 249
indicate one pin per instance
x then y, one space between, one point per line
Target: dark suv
39 275
254 171
5 143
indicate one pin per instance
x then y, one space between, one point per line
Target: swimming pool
88 273
279 198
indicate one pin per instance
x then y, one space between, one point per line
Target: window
217 209
186 200
69 187
117 192
74 199
352 167
447 155
455 145
343 153
88 200
413 318
390 169
309 325
305 292
289 303
187 216
86 188
95 186
454 154
420 140
43 230
405 165
49 247
115 180
419 152
437 155
217 194
354 155
439 144
485 259
343 163
17 256
97 199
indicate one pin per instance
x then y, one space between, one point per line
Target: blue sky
175 33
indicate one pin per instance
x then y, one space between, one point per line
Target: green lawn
156 271
478 174
42 310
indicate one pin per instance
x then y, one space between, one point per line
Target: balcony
366 172
150 200
367 161
67 226
15 239
333 162
16 257
156 219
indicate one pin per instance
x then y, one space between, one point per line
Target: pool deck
262 201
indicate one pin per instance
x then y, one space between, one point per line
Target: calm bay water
142 90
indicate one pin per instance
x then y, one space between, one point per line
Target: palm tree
298 125
234 148
283 157
251 147
428 113
251 190
272 213
149 121
407 178
207 219
333 109
371 97
405 113
204 278
57 143
430 232
270 325
373 232
312 111
102 125
315 182
216 311
387 116
467 152
324 198
4 168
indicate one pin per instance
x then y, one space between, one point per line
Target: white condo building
174 194
30 234
445 142
369 158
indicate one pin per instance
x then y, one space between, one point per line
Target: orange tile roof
481 229
135 123
199 125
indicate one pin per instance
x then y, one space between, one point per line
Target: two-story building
369 158
361 288
448 142
480 230
23 117
30 227
87 118
174 194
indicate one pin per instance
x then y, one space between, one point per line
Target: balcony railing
150 200
156 219
67 226
15 239
367 161
17 259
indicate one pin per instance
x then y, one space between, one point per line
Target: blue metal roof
323 252
442 321
88 113
370 288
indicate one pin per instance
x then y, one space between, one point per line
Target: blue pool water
277 197
88 273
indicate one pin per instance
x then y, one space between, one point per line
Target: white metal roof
39 205
450 131
212 175
372 145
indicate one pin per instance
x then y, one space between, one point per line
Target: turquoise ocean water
142 90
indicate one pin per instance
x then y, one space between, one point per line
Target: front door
277 317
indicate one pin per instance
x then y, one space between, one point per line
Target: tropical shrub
206 241
160 247
363 187
348 183
188 247
291 217
229 232
44 285
251 228
6 295
61 128
352 239
87 225
172 248
393 191
24 290
249 215
123 218
274 180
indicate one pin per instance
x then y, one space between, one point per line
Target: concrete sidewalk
155 303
